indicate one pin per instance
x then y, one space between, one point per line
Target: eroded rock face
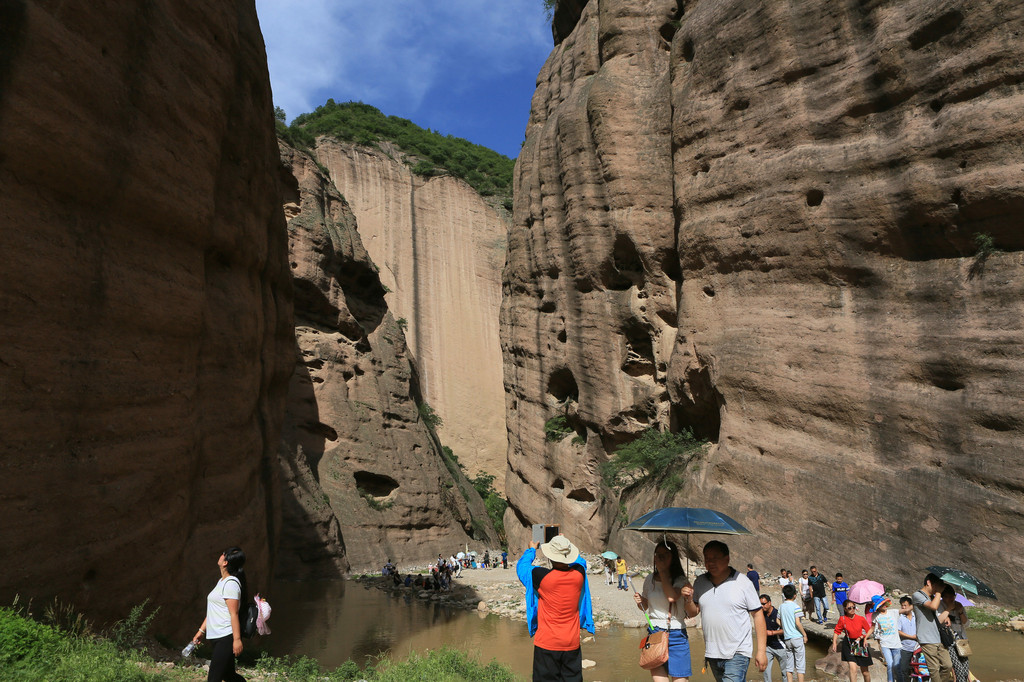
147 333
441 249
823 173
363 471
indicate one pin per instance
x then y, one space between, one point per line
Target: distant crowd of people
443 571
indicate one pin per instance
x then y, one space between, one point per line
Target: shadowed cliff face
760 222
364 477
146 303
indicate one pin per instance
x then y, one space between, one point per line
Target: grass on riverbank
992 616
450 665
31 651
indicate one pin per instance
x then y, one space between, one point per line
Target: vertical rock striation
146 302
845 191
362 469
589 309
440 247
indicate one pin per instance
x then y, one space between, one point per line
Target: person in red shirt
857 631
557 605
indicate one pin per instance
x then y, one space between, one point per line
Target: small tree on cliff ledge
655 455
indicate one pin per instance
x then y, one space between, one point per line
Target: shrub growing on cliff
556 429
494 502
432 419
655 455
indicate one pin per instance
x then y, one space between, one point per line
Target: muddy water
335 621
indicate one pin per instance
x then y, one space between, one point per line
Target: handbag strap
668 621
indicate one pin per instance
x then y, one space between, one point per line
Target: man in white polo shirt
726 600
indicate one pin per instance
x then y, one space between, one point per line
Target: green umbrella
609 555
963 580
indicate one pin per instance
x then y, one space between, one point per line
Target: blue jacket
524 569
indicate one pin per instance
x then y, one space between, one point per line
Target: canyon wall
147 332
363 471
440 247
793 227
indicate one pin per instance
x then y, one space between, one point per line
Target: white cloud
393 53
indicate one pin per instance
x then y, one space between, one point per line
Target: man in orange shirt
557 605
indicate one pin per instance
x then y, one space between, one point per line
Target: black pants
557 666
222 661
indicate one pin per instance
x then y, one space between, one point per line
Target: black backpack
247 619
247 615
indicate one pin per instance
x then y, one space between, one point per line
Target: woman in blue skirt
662 597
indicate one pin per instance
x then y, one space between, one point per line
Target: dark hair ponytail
235 558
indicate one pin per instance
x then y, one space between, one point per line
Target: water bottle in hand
187 651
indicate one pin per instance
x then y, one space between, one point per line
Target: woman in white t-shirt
221 626
663 593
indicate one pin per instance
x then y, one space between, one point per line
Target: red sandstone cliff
759 220
147 333
365 480
440 247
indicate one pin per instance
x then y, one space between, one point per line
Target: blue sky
461 67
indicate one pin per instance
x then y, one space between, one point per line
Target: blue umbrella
687 520
609 555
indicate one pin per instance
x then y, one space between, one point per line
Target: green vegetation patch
33 651
654 456
487 171
556 429
494 502
446 664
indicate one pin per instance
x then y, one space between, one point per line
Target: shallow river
335 621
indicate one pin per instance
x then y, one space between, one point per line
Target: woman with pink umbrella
863 592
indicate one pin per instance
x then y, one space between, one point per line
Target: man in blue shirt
774 632
839 589
754 577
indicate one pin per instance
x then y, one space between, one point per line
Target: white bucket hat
560 550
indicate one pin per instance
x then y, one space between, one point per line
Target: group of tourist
738 623
813 589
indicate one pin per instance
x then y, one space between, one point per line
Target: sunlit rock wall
440 247
147 333
851 353
364 477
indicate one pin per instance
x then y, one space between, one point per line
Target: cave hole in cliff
562 386
936 29
815 197
701 411
667 30
562 336
364 293
581 495
688 51
670 266
558 484
626 268
944 374
639 350
321 430
375 485
547 307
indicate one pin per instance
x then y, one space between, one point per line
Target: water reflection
338 620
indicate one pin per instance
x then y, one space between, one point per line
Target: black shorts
557 666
